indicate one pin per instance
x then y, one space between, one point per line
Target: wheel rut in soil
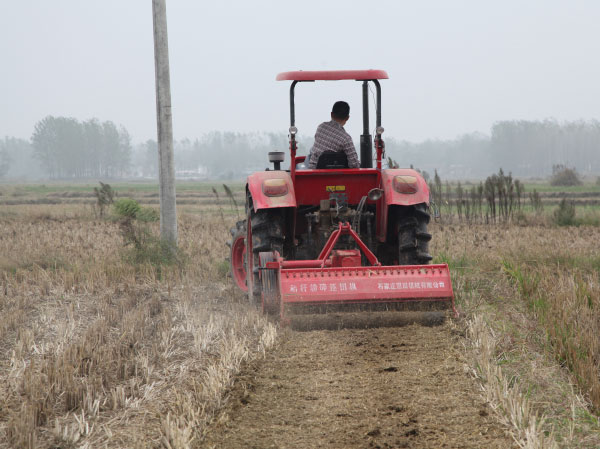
372 388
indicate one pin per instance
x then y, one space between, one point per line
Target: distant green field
585 192
120 187
544 187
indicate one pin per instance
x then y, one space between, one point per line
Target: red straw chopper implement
338 239
337 278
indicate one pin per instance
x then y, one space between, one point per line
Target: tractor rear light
405 184
274 187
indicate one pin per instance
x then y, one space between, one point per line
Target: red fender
393 198
260 200
403 199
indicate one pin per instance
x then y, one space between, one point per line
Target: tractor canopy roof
332 75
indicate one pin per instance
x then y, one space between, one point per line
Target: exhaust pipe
366 145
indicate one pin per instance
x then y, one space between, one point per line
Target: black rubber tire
267 235
238 229
413 238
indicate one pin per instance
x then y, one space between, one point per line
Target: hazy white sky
455 66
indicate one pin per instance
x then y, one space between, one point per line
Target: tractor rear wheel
413 238
265 232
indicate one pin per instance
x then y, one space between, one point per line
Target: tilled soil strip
379 388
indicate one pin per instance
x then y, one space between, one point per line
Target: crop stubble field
100 352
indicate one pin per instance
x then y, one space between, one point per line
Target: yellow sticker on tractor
335 188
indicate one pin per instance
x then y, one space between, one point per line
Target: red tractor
335 236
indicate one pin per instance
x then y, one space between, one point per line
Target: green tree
150 163
124 153
5 159
19 153
58 143
93 136
67 148
45 144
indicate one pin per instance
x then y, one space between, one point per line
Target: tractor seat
332 160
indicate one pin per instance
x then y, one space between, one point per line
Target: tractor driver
331 136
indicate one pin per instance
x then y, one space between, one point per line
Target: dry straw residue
507 400
531 294
99 352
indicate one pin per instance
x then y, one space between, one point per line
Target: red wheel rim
249 260
238 265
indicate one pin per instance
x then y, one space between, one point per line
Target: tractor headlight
274 187
405 184
293 130
379 130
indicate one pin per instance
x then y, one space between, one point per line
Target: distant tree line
229 154
525 148
534 148
68 148
5 159
218 155
467 156
16 159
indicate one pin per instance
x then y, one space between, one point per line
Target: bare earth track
372 388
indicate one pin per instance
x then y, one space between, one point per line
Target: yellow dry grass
96 352
530 295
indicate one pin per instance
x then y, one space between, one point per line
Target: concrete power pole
166 166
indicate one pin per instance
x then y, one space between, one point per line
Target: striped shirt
331 136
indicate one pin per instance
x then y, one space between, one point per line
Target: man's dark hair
341 110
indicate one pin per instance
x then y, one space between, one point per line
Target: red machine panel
366 284
314 185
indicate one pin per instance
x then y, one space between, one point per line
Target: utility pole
166 166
